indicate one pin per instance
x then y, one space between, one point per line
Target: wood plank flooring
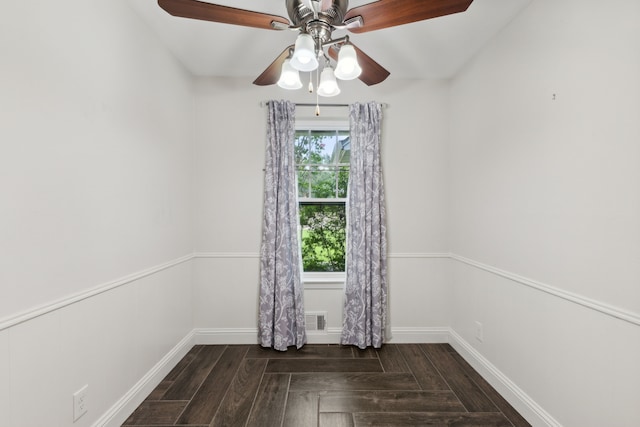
324 386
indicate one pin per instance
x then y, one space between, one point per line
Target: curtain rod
264 104
321 105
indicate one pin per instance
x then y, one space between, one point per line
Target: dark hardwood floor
324 385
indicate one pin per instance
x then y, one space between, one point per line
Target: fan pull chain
310 82
317 95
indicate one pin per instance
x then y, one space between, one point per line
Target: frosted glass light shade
348 67
328 84
304 55
289 77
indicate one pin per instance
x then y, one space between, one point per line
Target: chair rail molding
602 307
213 254
226 254
43 309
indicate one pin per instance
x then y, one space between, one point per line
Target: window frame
324 279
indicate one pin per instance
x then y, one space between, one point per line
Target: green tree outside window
322 161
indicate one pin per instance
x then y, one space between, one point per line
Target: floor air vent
316 322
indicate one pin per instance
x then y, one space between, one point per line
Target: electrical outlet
479 332
80 403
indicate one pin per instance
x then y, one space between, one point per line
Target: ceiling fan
315 21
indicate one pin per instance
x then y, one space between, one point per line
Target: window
322 162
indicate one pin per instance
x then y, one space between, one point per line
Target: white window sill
324 280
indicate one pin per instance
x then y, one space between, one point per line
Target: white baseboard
128 403
524 404
407 335
513 394
212 336
332 336
221 336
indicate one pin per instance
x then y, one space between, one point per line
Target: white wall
537 199
96 207
230 131
545 207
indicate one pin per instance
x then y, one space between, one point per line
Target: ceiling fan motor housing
331 15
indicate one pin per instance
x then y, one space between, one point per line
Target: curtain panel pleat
281 310
365 307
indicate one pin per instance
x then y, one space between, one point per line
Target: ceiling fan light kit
348 67
316 20
328 85
289 77
304 55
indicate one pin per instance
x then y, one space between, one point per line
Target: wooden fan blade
372 72
389 13
271 75
227 15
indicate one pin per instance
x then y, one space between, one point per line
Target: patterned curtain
281 304
365 307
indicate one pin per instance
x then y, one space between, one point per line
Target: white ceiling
431 49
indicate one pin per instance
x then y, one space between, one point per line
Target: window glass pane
343 182
326 147
322 147
341 152
301 147
323 183
323 237
310 147
304 188
322 162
